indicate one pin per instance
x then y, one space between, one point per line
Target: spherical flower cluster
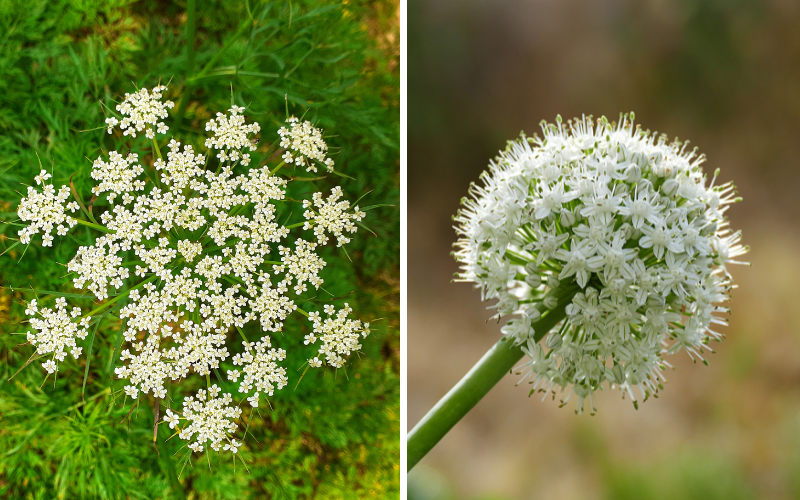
45 210
142 110
231 136
198 253
56 331
339 335
210 420
331 215
260 369
623 224
305 140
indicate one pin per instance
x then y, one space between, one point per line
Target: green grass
61 64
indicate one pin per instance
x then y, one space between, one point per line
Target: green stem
192 80
275 170
95 226
241 332
495 364
120 296
190 37
157 149
246 23
169 465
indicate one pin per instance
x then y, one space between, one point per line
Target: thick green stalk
500 359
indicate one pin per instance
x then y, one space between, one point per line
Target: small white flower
519 329
56 331
339 335
233 446
305 140
253 400
171 419
44 211
142 110
43 176
231 136
209 418
260 368
189 249
332 216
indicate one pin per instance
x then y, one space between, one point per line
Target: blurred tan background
724 74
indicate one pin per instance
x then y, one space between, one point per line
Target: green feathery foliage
62 63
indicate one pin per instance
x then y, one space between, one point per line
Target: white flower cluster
210 420
189 249
45 210
98 266
339 335
624 224
118 175
142 110
305 140
331 215
231 136
200 252
261 369
180 167
56 331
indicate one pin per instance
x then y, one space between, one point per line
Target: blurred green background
337 434
724 74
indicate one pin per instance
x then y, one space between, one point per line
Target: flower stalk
121 296
486 373
95 226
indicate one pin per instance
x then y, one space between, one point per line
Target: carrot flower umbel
192 240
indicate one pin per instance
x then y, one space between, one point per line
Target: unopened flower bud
567 218
669 187
633 173
616 375
553 340
533 280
